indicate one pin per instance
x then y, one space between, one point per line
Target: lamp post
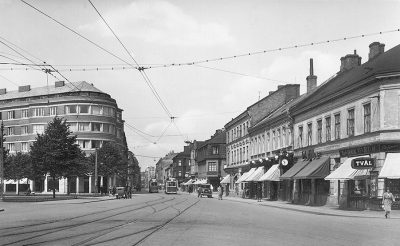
1 162
95 173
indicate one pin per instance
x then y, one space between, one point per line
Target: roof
217 138
346 82
51 89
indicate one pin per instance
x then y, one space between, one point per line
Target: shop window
337 126
367 118
394 186
359 187
350 122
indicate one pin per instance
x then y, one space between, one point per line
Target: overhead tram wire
100 47
273 50
141 69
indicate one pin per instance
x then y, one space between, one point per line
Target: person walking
259 192
199 190
219 192
387 200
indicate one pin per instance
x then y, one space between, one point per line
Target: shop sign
363 163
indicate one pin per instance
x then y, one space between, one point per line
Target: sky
202 97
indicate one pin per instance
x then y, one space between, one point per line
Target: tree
18 166
111 161
55 152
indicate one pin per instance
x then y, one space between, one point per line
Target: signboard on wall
363 163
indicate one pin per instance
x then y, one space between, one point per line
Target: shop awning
294 170
391 167
346 172
272 174
255 176
226 180
189 182
316 169
200 181
245 175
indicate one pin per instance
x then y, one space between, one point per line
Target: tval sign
363 163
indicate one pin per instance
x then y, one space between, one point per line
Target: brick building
92 115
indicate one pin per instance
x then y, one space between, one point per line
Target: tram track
71 218
47 231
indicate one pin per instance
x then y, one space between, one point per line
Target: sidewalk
317 210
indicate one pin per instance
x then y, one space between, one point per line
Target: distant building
92 115
180 165
211 158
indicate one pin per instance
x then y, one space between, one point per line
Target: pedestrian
259 192
387 200
114 190
110 189
220 191
199 190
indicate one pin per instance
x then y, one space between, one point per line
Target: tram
153 186
171 186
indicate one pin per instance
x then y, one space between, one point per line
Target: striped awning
226 180
272 174
245 175
346 172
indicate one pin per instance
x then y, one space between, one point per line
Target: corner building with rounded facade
93 116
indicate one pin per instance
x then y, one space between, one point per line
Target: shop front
311 188
243 187
289 187
390 172
357 182
225 184
253 183
270 183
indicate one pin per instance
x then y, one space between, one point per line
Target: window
284 139
328 128
70 109
273 140
83 126
96 144
84 144
319 131
350 122
96 109
38 112
83 109
212 166
367 118
24 130
179 173
11 147
10 131
96 127
300 138
215 150
180 163
278 138
24 146
24 113
38 129
53 110
73 126
11 115
309 134
106 128
337 126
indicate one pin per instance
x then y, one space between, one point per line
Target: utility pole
1 162
95 173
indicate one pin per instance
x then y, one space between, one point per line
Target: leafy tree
18 166
110 161
56 153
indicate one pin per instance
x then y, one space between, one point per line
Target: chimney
350 61
280 87
375 49
59 83
24 88
269 93
3 91
311 79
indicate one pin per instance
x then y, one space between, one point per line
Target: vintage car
206 190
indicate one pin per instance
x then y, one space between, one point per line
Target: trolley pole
1 162
95 173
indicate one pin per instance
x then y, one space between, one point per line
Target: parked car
206 190
120 193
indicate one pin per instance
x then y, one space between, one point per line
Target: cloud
163 23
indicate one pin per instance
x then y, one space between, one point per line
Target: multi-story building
193 166
149 173
211 158
163 169
93 116
180 165
352 123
